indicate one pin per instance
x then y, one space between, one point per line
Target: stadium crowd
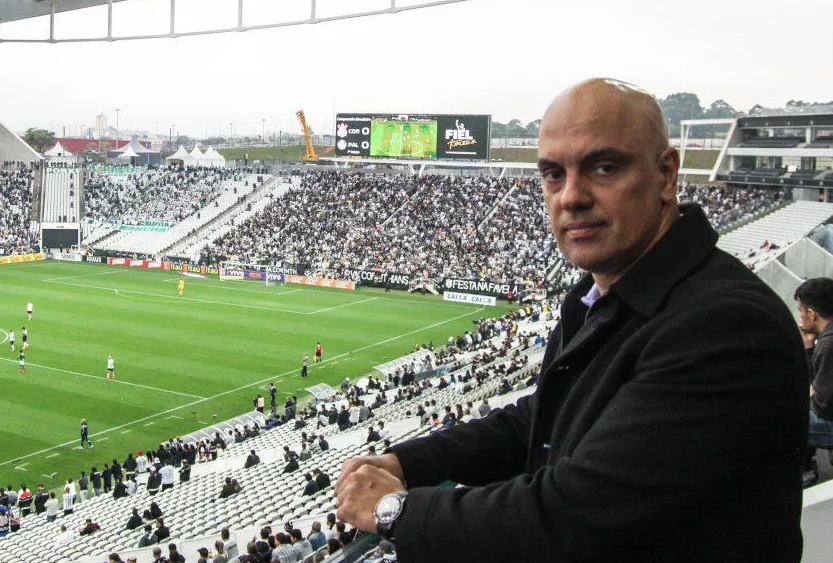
16 208
442 226
169 193
726 207
400 224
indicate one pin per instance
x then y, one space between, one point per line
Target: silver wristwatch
387 513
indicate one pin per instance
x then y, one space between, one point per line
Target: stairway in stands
190 246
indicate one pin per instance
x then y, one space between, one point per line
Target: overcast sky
507 58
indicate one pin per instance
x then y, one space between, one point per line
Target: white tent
128 153
196 154
135 146
181 155
57 150
213 158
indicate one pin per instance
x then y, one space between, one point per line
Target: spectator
174 556
51 507
229 543
148 538
155 510
815 308
154 483
316 537
185 471
664 317
303 546
229 488
40 499
89 528
372 435
220 555
134 521
251 460
64 537
162 531
157 556
284 551
311 487
321 478
167 475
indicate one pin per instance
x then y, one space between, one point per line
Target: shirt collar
592 296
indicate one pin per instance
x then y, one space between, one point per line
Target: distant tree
516 128
533 127
214 141
679 106
720 109
39 139
498 129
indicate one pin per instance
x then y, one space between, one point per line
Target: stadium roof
14 10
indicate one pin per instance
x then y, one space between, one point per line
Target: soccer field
178 360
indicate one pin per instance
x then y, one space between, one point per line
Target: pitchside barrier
19 258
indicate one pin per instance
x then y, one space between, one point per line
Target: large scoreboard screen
406 136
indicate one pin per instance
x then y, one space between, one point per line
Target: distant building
100 124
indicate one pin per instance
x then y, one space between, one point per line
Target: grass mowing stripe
249 385
173 299
343 305
202 349
112 380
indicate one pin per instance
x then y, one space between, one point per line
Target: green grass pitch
178 360
403 139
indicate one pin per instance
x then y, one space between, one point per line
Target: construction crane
311 155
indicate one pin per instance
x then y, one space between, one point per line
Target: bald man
671 409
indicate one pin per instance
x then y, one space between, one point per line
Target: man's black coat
668 425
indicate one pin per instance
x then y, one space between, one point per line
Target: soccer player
304 365
21 362
11 339
181 288
25 336
85 435
318 351
111 368
29 308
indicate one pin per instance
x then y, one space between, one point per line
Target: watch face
388 508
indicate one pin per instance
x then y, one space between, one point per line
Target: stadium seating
195 514
61 194
753 243
16 208
208 197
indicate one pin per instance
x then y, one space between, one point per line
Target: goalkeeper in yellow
181 287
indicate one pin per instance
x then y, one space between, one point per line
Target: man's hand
808 337
388 462
363 481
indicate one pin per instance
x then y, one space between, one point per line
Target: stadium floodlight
258 273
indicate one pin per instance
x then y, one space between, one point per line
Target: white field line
343 305
236 389
173 298
119 381
6 334
268 292
56 280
